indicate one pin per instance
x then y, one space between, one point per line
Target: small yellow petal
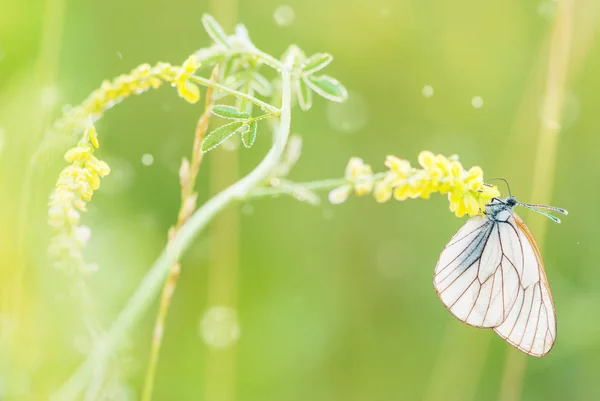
189 91
363 187
92 134
426 159
383 192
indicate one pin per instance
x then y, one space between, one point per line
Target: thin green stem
154 279
265 106
321 185
263 117
266 58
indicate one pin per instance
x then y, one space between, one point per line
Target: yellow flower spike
75 187
426 159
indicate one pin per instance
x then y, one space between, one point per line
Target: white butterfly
491 274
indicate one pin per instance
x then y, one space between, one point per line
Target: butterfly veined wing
476 276
531 323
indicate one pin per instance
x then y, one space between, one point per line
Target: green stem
154 279
263 192
322 185
207 82
263 117
266 58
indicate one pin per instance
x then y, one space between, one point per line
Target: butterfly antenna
553 208
548 215
501 179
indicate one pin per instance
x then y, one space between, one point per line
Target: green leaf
220 135
249 136
261 84
294 55
235 81
230 112
304 95
316 62
244 104
328 87
215 31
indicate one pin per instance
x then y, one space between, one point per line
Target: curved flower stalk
77 119
466 190
236 53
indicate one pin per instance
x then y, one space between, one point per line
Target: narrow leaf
249 136
230 112
316 62
215 31
221 134
304 95
261 84
328 87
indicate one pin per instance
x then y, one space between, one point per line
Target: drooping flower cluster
110 93
466 190
74 188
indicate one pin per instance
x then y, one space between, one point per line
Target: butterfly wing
476 275
531 323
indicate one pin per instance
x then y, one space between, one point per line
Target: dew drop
328 214
348 117
427 91
284 15
477 102
219 327
247 209
147 159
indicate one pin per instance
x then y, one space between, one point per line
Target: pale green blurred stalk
45 73
452 362
545 162
154 279
222 286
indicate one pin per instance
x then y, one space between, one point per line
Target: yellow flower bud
339 195
426 159
382 192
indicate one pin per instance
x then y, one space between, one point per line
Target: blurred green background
335 302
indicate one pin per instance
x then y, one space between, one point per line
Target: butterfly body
491 275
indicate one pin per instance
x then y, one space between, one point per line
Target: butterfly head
500 209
